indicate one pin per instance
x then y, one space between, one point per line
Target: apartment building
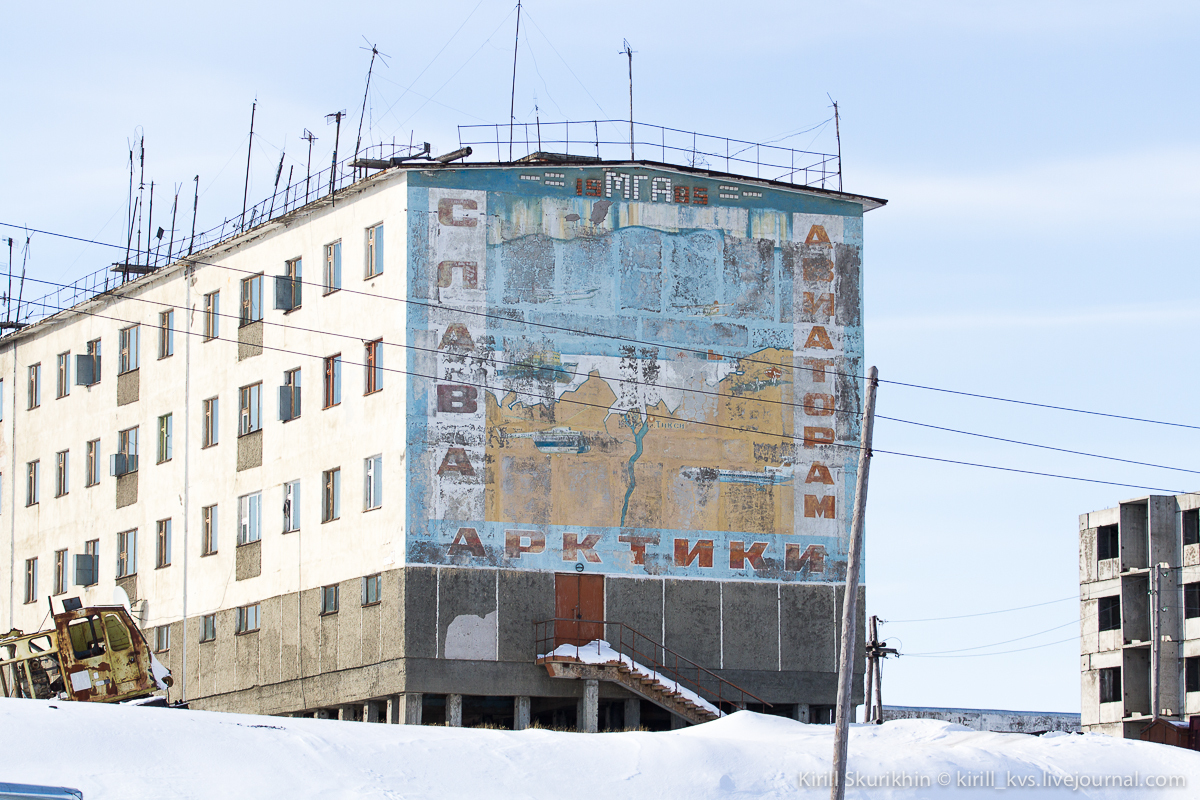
344 459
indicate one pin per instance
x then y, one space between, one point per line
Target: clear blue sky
1041 160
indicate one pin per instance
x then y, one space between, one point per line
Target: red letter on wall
466 541
638 545
456 460
514 543
449 212
815 436
572 547
739 555
813 558
819 506
702 551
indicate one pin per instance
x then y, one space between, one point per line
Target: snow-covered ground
132 753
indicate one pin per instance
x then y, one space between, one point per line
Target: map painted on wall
631 371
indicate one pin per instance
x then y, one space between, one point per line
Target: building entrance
578 608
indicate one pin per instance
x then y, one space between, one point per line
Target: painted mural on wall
631 371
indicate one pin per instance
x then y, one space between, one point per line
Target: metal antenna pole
837 127
512 102
308 136
174 208
249 149
195 205
850 605
363 113
337 137
8 297
628 52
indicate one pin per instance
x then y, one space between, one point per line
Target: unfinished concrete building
572 400
1139 592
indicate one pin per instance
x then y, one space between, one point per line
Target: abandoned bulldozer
94 654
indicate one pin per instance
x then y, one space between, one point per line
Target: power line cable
980 614
647 414
997 653
1075 621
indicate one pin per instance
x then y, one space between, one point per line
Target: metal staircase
580 649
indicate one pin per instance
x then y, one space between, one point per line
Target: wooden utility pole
876 652
850 605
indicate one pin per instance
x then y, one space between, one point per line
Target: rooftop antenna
8 297
249 148
21 289
149 223
629 53
129 208
513 99
141 190
374 52
174 206
537 116
195 205
308 137
837 127
275 191
329 120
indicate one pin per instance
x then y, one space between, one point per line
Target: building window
1110 685
333 380
288 288
35 385
162 638
329 599
62 374
291 506
127 553
162 543
31 580
374 251
208 627
247 619
1191 674
289 395
60 571
1110 613
129 344
164 438
93 462
333 267
250 405
249 518
212 315
370 589
210 422
208 530
62 473
31 483
1191 600
87 564
373 482
87 366
1191 527
374 366
126 459
331 505
251 299
1108 544
166 333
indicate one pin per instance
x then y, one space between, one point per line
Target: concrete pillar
347 713
454 710
323 713
802 712
393 709
633 713
520 713
410 708
589 708
371 711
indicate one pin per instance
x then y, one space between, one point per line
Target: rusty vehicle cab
93 654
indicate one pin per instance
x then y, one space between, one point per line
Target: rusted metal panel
626 369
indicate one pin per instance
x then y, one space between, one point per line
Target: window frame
127 553
369 581
331 490
331 272
92 457
291 506
127 445
373 482
251 300
91 548
60 571
1191 674
162 543
162 638
62 472
31 576
34 386
374 366
208 530
1191 600
246 616
63 375
292 384
249 409
374 251
1108 543
166 424
1108 613
1110 688
249 518
328 593
293 269
212 315
333 380
210 429
166 334
208 628
129 349
32 483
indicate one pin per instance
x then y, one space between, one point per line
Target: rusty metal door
579 608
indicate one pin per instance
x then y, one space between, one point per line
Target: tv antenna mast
308 137
629 53
512 102
329 120
366 92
